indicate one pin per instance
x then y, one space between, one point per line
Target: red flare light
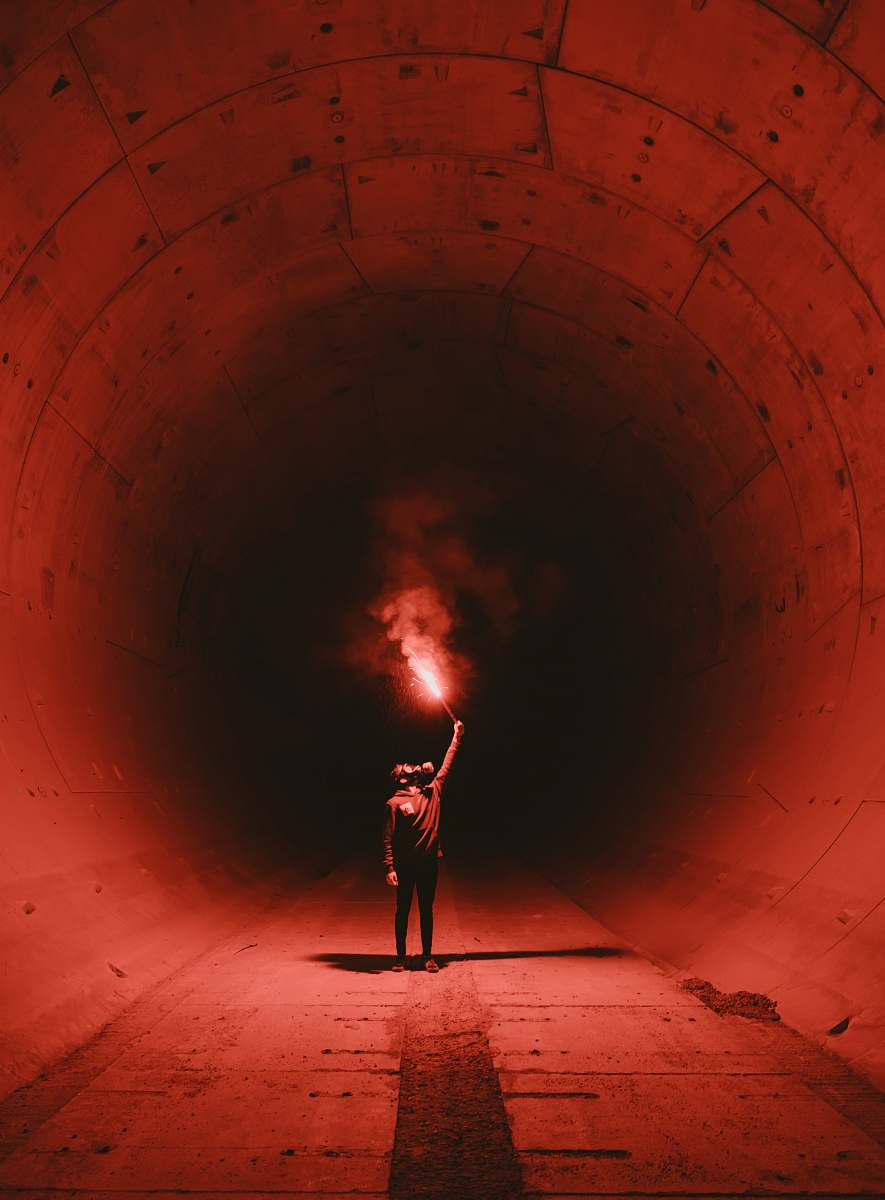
426 676
429 678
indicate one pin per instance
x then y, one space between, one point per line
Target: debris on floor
752 1005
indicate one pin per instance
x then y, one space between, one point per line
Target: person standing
411 846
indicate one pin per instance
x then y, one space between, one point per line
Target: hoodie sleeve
443 772
388 838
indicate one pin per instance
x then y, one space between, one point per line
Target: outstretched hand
459 728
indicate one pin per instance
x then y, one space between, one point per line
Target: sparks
426 676
429 678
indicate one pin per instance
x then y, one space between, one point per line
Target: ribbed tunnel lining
662 219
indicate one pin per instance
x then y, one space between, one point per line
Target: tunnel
571 308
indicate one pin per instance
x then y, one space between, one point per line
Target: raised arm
450 753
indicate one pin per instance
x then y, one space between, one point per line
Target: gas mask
416 774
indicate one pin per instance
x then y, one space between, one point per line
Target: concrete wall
219 218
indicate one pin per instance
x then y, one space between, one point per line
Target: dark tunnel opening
569 622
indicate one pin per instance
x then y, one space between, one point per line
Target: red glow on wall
567 319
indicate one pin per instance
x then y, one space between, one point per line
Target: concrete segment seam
544 124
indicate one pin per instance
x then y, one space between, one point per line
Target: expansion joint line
691 286
561 39
544 126
347 208
241 401
369 289
124 157
742 203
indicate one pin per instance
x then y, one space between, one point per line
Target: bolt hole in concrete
565 344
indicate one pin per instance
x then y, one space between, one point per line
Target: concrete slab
617 993
615 1081
169 1078
273 1066
260 1069
702 1134
319 1111
646 1038
273 1036
51 1194
199 1170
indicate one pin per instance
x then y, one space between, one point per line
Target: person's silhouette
411 845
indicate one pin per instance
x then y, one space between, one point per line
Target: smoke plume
429 574
419 623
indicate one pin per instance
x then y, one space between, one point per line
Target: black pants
420 875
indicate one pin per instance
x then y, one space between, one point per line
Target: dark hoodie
413 838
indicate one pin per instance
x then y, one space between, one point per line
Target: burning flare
425 675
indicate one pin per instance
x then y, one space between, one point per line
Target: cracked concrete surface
276 1064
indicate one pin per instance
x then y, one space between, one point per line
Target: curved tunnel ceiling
660 218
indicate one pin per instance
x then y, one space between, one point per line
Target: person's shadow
376 964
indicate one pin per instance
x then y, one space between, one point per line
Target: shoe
430 964
399 964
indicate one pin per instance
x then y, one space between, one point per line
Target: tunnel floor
545 1059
